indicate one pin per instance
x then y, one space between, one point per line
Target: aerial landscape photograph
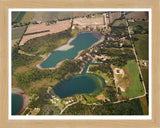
79 63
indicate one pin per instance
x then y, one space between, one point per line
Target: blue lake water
81 42
89 84
17 102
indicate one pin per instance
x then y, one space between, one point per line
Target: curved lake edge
95 34
25 98
99 81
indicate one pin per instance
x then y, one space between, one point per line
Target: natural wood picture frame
6 123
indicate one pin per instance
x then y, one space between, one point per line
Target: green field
141 46
136 88
145 78
17 32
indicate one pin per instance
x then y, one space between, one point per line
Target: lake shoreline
25 98
67 46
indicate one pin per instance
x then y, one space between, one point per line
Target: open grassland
137 15
141 46
19 17
55 28
145 78
89 21
135 89
27 17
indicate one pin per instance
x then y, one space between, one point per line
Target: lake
89 84
81 42
17 102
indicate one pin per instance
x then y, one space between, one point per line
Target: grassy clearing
145 78
141 46
18 32
135 89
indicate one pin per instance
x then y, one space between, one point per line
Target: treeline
67 69
132 107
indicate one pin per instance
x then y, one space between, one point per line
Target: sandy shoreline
67 46
24 96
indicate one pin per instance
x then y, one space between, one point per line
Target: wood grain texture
6 4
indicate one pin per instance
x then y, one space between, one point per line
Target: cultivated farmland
58 27
19 17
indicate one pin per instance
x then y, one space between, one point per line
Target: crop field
136 88
27 17
14 15
19 17
55 28
119 23
43 16
137 15
89 21
141 46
